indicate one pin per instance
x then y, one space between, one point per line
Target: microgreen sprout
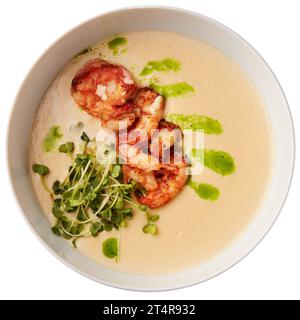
84 137
40 169
150 228
92 198
67 147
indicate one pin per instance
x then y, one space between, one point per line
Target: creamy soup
192 229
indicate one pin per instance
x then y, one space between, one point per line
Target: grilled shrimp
167 142
135 156
103 89
145 179
162 174
133 146
161 185
150 105
170 183
165 149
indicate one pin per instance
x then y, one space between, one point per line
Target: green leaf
96 228
67 147
57 188
82 159
80 227
150 228
69 209
127 213
154 218
56 231
119 204
57 202
82 216
110 248
107 225
116 171
92 184
66 223
94 205
67 194
107 214
196 122
205 191
91 196
57 212
76 126
74 242
123 224
117 218
40 169
105 180
75 202
84 137
75 230
143 207
66 236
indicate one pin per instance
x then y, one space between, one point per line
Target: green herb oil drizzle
173 90
205 191
219 161
51 139
115 44
196 123
164 65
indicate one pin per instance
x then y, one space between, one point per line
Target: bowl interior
138 19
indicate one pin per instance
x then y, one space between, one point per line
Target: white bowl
163 19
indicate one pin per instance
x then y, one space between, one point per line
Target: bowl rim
99 16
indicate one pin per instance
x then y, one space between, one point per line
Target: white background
28 270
